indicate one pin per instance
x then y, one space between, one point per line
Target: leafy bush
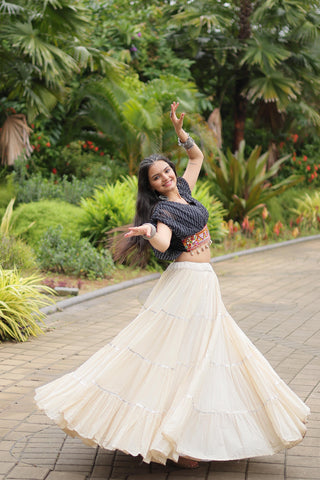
72 256
304 158
37 188
280 207
21 300
244 185
14 253
308 211
111 206
43 214
216 211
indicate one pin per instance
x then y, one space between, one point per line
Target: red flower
88 142
305 158
281 145
27 166
308 168
91 146
54 171
48 144
96 149
312 176
101 154
33 147
32 125
39 138
84 145
294 137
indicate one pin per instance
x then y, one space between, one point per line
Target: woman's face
162 178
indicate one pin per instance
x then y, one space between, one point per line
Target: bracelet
153 232
187 144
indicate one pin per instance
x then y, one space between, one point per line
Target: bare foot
187 463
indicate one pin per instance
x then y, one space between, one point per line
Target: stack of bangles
152 234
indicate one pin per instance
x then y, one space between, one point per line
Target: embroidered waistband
197 240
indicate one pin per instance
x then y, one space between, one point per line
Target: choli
184 220
198 242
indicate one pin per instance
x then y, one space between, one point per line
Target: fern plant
20 302
244 185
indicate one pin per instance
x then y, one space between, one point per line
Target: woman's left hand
177 122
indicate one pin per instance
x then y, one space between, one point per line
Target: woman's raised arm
194 153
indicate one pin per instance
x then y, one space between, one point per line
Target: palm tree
42 46
262 54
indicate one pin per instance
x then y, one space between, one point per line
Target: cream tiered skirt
181 379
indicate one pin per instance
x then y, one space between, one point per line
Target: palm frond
273 87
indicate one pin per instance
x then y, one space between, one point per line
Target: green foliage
216 211
21 300
31 220
308 210
255 58
71 256
244 185
14 253
110 207
42 45
304 158
280 207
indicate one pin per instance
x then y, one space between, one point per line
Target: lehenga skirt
181 379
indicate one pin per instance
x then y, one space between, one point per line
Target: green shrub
44 214
216 211
14 253
308 211
71 256
280 207
243 186
37 188
21 300
110 207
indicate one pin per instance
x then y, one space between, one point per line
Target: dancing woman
181 381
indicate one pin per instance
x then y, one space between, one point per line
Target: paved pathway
274 296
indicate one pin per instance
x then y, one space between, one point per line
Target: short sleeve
183 187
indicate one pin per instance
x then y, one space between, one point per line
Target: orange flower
277 228
265 213
295 232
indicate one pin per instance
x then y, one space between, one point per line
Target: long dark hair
136 249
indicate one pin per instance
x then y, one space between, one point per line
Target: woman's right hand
141 230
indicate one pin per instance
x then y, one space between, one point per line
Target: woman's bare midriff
201 256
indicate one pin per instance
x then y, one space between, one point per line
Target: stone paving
273 295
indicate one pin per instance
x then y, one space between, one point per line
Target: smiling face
162 178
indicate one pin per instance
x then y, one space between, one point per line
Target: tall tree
42 44
262 54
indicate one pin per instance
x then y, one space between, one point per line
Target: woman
181 381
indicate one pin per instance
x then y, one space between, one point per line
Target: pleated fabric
181 379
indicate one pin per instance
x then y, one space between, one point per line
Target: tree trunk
240 107
240 112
